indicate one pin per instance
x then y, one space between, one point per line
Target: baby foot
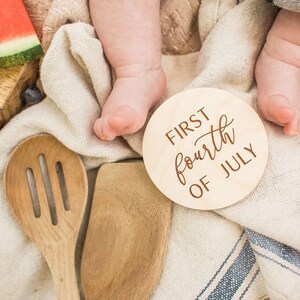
278 73
135 91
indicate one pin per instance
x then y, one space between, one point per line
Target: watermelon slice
18 40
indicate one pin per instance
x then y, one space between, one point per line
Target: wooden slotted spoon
46 185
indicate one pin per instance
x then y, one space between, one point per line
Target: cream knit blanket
250 250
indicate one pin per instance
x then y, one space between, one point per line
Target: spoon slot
33 192
63 185
48 188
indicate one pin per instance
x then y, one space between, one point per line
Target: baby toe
103 130
276 109
293 128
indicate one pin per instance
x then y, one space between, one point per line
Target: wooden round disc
205 148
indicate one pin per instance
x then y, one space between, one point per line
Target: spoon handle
61 261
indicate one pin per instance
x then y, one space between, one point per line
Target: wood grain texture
13 80
211 148
127 235
48 220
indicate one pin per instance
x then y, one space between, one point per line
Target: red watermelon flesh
18 40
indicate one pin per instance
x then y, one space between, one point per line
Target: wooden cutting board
127 234
14 80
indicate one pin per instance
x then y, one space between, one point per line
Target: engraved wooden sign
205 148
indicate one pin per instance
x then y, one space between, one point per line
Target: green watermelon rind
18 44
21 57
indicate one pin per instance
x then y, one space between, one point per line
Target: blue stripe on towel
283 251
235 275
276 262
222 265
250 283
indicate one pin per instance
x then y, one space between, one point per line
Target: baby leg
129 31
278 73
